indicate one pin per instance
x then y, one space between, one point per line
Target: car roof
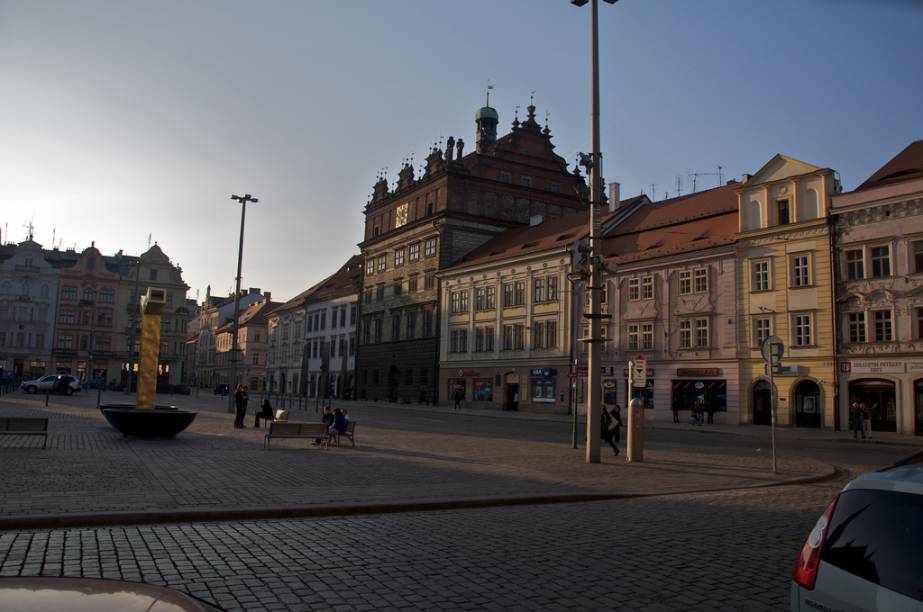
905 476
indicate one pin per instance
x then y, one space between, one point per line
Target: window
881 261
761 331
801 272
551 288
382 263
551 334
380 291
633 337
647 336
917 246
429 280
69 294
399 257
883 328
106 296
506 177
538 290
485 298
412 283
459 301
376 329
855 265
369 296
802 328
685 282
634 289
352 314
429 247
458 341
700 280
538 335
647 288
685 334
701 333
876 536
153 275
519 293
555 188
427 323
396 327
370 266
526 181
782 208
414 251
760 271
68 317
342 319
513 337
857 327
507 295
66 342
484 339
919 323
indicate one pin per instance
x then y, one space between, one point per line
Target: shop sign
876 367
698 372
543 372
604 370
846 367
648 372
914 366
468 373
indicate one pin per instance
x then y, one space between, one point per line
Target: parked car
51 384
222 389
866 550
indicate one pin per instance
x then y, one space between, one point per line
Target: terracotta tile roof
908 164
547 235
254 314
688 223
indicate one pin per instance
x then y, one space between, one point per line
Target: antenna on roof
653 191
679 185
489 87
696 175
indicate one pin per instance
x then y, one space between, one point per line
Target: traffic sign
638 371
772 350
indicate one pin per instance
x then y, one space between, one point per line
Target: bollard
635 452
46 398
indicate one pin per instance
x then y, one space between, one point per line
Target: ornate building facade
785 290
878 232
427 224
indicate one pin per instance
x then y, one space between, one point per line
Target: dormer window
783 213
526 181
506 177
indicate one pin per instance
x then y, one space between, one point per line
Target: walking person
858 419
239 405
675 413
610 427
867 420
710 410
458 397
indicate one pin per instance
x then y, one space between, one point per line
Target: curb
103 519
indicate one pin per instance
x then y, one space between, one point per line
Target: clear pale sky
122 119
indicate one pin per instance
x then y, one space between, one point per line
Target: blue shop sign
543 372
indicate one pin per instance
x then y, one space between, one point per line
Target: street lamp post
240 256
593 162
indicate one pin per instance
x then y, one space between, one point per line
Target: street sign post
772 349
638 371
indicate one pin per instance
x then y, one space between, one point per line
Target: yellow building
785 290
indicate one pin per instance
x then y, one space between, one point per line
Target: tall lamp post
240 256
593 162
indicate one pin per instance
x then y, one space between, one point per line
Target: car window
48 378
878 536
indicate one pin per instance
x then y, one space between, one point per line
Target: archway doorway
878 396
511 392
762 403
807 404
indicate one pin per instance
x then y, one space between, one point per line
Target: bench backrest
350 426
23 424
294 428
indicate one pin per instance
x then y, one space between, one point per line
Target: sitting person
265 413
327 419
340 423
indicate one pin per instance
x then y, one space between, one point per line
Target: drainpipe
834 264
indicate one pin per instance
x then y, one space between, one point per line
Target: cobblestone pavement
728 551
401 458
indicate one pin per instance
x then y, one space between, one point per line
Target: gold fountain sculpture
152 304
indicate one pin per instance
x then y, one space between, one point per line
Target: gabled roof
906 165
343 282
254 314
780 167
552 234
688 223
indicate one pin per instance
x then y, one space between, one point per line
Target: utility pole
240 256
593 163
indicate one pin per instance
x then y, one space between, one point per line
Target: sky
127 119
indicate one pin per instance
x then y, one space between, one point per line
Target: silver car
51 384
866 550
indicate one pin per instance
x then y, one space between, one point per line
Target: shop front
889 390
694 387
540 389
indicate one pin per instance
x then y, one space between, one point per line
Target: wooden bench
25 426
349 433
294 429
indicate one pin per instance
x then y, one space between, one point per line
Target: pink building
878 243
672 292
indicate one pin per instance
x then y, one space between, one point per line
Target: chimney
267 296
254 290
614 201
535 220
744 178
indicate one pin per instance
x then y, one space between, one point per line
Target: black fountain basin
159 422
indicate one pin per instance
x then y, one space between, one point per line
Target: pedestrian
458 397
610 427
239 404
675 412
858 419
265 413
710 409
867 420
327 419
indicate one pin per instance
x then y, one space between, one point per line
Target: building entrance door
511 400
807 404
879 398
394 376
762 403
